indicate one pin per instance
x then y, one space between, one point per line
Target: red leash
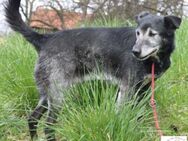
152 101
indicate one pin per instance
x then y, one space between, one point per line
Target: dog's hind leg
61 77
36 115
55 103
52 116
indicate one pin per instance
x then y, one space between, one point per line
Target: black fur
68 55
15 21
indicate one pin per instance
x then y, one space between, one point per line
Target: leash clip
153 103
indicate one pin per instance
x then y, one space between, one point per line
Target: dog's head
152 33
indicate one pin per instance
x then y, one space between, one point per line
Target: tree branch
45 23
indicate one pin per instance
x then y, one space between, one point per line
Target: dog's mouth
152 54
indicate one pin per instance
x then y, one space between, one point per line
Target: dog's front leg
123 95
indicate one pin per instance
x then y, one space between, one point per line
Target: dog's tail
15 21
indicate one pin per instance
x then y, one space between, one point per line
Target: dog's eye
137 33
151 34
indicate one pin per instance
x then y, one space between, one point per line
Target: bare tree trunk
27 10
59 11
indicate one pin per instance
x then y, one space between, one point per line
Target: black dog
123 54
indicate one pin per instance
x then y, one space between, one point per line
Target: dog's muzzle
143 56
136 52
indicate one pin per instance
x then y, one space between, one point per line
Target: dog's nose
136 52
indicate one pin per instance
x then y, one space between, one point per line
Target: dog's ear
172 22
140 16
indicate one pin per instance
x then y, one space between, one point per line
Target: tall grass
17 88
93 116
107 22
89 112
